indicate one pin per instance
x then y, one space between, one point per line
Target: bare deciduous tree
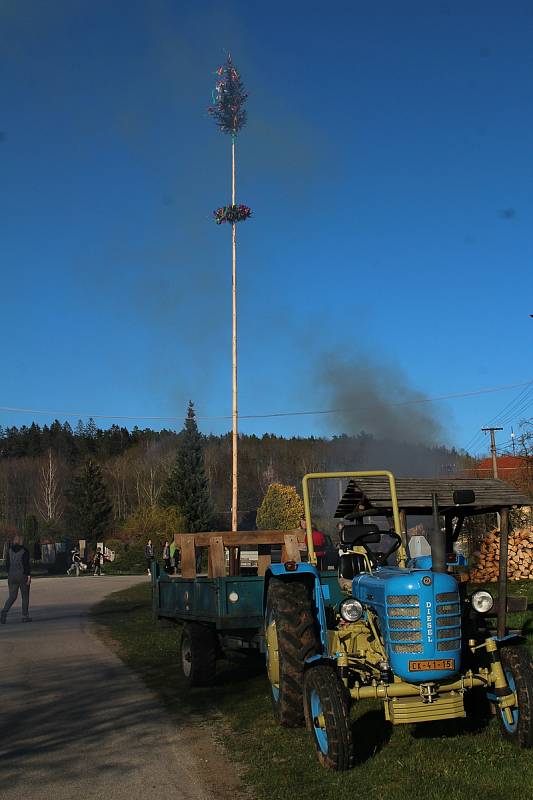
49 500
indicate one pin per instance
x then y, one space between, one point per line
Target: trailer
222 612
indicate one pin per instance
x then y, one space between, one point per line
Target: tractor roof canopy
371 496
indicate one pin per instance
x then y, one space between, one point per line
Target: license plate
436 664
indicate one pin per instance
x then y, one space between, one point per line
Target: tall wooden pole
494 463
235 433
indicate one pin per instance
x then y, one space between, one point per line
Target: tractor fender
313 661
308 574
511 638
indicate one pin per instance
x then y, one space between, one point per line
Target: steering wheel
381 558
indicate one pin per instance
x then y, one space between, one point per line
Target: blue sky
388 163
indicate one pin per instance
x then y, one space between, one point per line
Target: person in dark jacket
18 577
97 562
176 559
166 557
149 555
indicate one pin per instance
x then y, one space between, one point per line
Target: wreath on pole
237 213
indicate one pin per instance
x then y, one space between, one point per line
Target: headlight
351 610
482 602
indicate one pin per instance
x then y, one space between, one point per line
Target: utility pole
494 461
493 449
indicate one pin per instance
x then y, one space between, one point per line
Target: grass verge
457 760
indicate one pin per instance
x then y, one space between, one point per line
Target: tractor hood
419 618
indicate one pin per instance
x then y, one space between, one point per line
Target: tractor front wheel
518 667
198 653
327 714
291 637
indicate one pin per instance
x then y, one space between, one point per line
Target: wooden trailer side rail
217 541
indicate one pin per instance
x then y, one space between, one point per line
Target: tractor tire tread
336 709
203 642
297 640
519 662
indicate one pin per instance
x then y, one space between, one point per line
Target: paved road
74 721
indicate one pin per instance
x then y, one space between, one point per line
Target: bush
153 523
129 556
281 509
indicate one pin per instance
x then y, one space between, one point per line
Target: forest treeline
38 466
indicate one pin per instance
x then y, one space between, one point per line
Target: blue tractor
404 629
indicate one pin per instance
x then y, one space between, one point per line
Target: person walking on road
75 563
98 561
149 555
18 577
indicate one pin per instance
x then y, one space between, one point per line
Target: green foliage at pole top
228 99
281 509
186 487
88 506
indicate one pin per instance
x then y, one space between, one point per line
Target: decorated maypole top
227 109
228 99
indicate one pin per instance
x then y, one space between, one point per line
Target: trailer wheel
327 715
291 637
198 652
518 668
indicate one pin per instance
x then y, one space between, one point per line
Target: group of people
171 559
77 564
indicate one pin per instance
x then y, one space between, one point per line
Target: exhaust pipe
438 541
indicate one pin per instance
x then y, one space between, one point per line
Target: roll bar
364 474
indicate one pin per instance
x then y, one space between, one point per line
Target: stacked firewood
520 564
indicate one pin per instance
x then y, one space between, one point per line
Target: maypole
229 114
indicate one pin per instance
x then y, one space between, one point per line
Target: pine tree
186 487
88 508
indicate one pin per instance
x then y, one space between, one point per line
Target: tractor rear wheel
327 714
518 667
198 653
291 636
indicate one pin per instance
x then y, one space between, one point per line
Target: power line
269 415
516 406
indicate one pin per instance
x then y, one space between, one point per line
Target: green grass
458 760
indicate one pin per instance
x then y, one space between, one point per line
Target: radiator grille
403 599
447 633
448 622
442 621
405 624
406 636
449 644
404 612
448 608
407 648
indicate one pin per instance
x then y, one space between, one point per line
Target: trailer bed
228 603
